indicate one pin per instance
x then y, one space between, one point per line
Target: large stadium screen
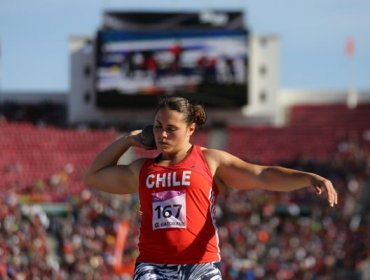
209 66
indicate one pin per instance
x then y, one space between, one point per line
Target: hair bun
200 116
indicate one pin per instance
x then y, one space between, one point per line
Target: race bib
169 209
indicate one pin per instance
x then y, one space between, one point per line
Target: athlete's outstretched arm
237 173
104 174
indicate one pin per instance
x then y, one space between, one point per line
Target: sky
313 36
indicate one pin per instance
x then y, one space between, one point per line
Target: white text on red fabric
168 179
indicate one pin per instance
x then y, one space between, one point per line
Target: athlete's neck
175 158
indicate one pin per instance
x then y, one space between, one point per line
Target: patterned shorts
201 271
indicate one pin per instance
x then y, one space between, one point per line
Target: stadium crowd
262 235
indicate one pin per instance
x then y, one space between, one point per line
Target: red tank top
178 212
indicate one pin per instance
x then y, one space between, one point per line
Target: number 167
168 211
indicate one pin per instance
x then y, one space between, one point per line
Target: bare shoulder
136 165
215 157
224 162
211 154
231 171
131 172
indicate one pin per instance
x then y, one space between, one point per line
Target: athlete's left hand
322 185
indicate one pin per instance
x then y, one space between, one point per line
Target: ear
191 129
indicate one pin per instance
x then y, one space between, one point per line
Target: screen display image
209 66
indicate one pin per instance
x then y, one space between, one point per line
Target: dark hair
192 113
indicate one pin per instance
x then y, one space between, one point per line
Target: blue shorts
201 271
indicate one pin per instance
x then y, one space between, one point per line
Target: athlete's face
171 132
